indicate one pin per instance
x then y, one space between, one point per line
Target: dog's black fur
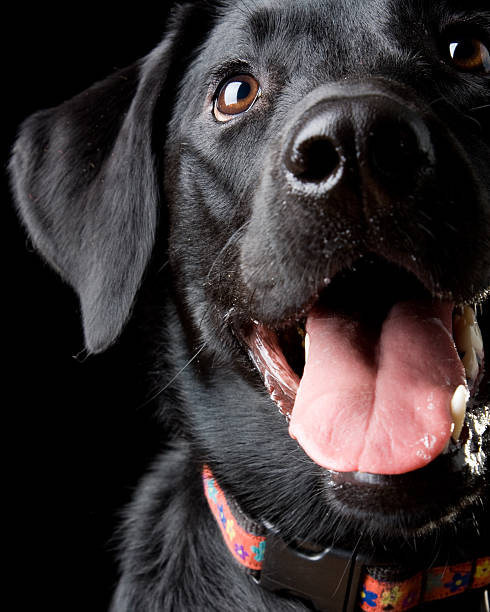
133 187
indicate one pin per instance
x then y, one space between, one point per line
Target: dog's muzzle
363 173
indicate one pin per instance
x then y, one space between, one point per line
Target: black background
76 436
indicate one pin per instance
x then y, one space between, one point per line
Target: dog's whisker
163 266
465 114
440 99
476 108
231 240
347 567
426 230
174 378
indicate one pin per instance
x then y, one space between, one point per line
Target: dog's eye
469 54
236 96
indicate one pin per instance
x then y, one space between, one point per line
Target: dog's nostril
395 151
313 160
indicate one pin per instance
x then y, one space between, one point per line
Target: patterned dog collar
247 542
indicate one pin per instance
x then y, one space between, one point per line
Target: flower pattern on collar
246 547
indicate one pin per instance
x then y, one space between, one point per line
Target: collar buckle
330 579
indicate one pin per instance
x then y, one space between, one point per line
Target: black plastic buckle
485 601
330 579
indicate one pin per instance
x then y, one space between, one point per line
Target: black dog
317 175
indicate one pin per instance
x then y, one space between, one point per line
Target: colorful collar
247 543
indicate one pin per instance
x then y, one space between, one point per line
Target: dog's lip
279 378
453 459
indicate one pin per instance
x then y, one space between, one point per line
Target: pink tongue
387 413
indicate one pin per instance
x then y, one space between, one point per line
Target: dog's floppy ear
84 180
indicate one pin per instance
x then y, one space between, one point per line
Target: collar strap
247 542
245 539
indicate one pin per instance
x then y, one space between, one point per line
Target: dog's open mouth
377 376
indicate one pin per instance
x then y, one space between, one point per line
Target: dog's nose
374 137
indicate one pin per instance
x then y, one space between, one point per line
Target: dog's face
330 176
325 172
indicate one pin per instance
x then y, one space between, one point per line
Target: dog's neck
334 578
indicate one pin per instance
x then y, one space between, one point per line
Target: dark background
77 436
77 432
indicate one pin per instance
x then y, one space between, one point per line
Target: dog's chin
432 512
439 498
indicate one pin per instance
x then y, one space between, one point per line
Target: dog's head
320 172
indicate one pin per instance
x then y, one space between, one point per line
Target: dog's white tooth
476 339
307 346
458 410
470 363
468 340
469 315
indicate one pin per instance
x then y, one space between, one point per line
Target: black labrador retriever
316 173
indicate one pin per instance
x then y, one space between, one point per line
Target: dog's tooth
458 410
476 338
307 346
470 363
469 315
468 340
474 330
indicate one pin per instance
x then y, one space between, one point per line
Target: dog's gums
446 398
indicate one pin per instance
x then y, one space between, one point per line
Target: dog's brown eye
236 96
470 54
